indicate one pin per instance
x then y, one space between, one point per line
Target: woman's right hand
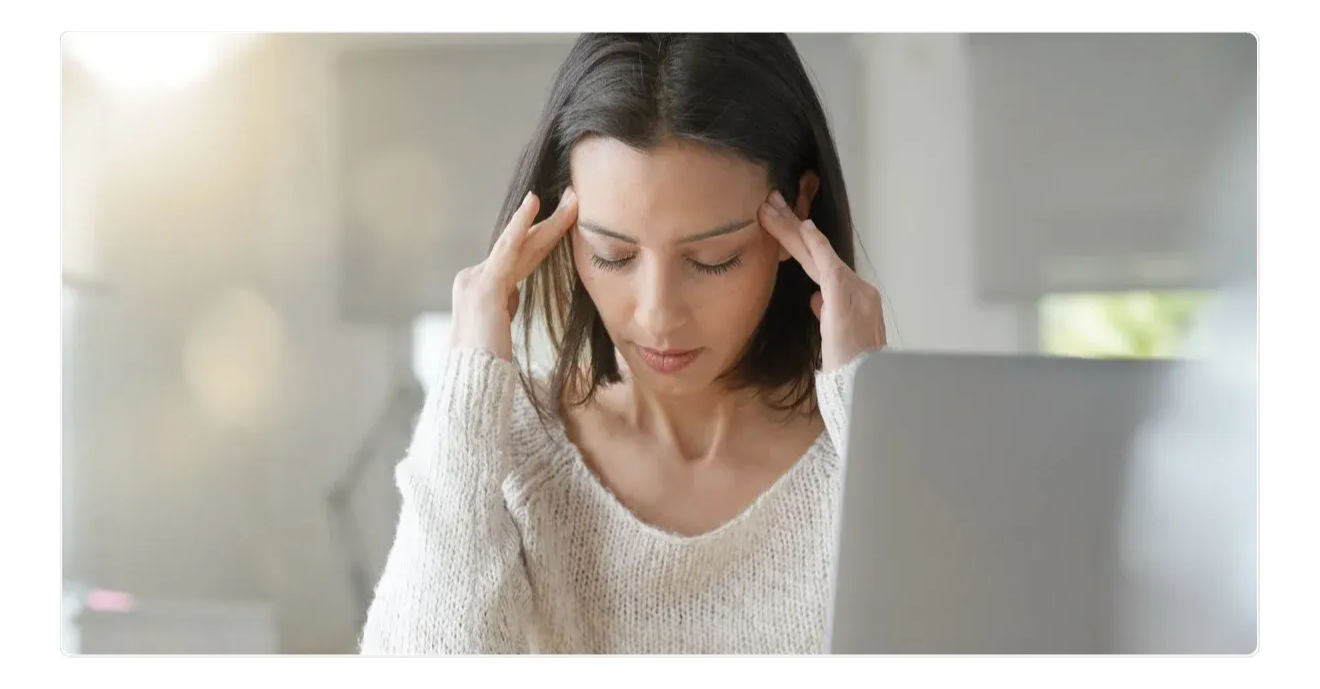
485 297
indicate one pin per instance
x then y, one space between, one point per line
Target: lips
667 360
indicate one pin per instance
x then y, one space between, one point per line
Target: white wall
213 489
176 498
918 206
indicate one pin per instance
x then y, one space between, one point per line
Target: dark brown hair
747 94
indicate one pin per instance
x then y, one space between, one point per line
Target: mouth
667 360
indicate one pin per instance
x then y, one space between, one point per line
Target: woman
669 485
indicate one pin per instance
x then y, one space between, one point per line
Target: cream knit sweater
508 543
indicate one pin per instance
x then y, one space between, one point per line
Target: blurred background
260 233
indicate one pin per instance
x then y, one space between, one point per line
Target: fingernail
527 198
770 208
567 197
777 200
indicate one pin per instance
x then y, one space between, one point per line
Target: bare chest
691 498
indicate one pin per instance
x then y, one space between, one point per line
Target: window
430 345
1118 325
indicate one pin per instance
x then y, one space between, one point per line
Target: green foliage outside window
1122 325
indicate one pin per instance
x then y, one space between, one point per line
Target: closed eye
610 263
703 268
718 268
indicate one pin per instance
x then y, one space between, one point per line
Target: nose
661 308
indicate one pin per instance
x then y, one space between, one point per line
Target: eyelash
621 263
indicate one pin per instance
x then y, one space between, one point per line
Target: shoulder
482 395
535 415
538 444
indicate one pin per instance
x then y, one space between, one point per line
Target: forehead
673 190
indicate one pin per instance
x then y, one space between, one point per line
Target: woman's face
668 246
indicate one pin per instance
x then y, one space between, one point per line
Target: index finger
543 236
505 249
827 259
787 229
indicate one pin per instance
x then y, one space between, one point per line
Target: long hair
748 94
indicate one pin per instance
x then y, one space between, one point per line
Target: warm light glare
102 600
144 62
233 357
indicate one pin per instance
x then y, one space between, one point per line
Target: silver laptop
981 505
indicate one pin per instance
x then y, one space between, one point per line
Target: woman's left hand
848 307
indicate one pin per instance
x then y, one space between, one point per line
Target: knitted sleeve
834 397
454 581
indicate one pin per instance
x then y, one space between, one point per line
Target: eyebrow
726 228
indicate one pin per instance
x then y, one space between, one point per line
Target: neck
698 425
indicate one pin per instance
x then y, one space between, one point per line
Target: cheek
734 303
608 291
762 269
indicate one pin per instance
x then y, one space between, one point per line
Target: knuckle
473 278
